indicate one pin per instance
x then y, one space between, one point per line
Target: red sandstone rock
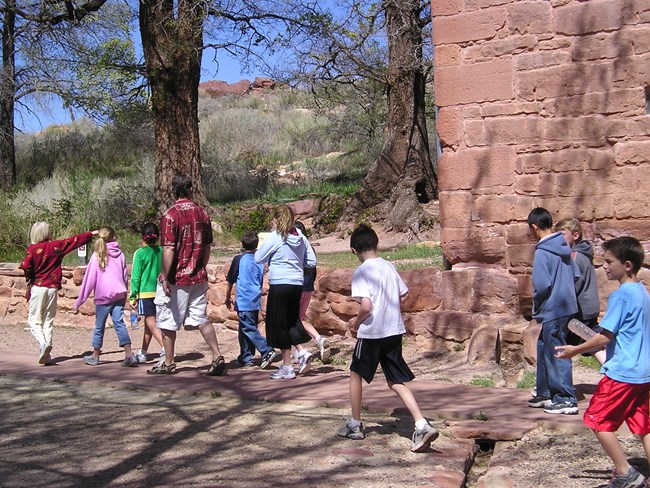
337 281
484 345
478 82
78 275
531 334
534 18
424 289
588 17
453 29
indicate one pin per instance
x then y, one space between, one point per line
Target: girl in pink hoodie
106 276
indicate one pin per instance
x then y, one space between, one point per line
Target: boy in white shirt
379 326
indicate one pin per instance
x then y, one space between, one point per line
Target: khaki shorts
186 307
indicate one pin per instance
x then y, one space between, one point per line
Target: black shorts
387 351
146 307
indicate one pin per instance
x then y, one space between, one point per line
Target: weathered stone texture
590 17
453 29
478 82
478 168
529 18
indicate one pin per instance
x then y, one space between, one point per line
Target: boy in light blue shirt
623 394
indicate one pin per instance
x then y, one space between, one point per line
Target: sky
229 71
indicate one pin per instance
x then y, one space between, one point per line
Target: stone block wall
541 103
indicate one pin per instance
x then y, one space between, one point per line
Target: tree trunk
403 175
172 43
7 95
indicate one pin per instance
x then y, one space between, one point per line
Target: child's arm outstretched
597 342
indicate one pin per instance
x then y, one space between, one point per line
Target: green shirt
147 264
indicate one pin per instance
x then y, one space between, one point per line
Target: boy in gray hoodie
554 304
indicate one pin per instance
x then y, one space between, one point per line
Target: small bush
482 381
527 381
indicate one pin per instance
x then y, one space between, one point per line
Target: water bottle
134 320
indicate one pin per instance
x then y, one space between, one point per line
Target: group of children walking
564 287
105 277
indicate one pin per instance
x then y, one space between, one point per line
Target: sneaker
305 362
218 367
91 360
566 408
324 350
163 369
422 439
355 433
141 356
283 373
634 479
268 359
44 353
130 362
540 402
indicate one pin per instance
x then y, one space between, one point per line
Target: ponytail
106 234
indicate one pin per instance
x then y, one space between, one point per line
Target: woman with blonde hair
106 276
42 268
287 252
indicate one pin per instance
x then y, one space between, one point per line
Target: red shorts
615 402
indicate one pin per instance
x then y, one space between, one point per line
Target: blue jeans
250 338
554 376
116 311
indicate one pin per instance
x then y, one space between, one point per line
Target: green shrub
527 381
482 381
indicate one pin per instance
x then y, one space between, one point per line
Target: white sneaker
141 356
305 362
422 439
283 373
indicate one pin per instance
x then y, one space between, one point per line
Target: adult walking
287 252
186 238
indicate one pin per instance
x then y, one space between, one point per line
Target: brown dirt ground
66 435
70 435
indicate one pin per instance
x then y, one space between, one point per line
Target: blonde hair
106 234
572 225
284 219
39 232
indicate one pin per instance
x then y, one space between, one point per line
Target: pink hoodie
109 284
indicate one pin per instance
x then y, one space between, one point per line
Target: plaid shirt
186 229
42 264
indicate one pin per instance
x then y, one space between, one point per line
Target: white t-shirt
378 280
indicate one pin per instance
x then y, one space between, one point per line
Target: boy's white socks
354 423
421 424
317 339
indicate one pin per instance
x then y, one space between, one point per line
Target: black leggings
282 311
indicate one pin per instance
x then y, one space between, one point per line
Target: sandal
162 368
218 367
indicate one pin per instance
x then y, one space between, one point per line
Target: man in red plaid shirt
186 238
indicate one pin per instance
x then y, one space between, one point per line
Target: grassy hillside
268 149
